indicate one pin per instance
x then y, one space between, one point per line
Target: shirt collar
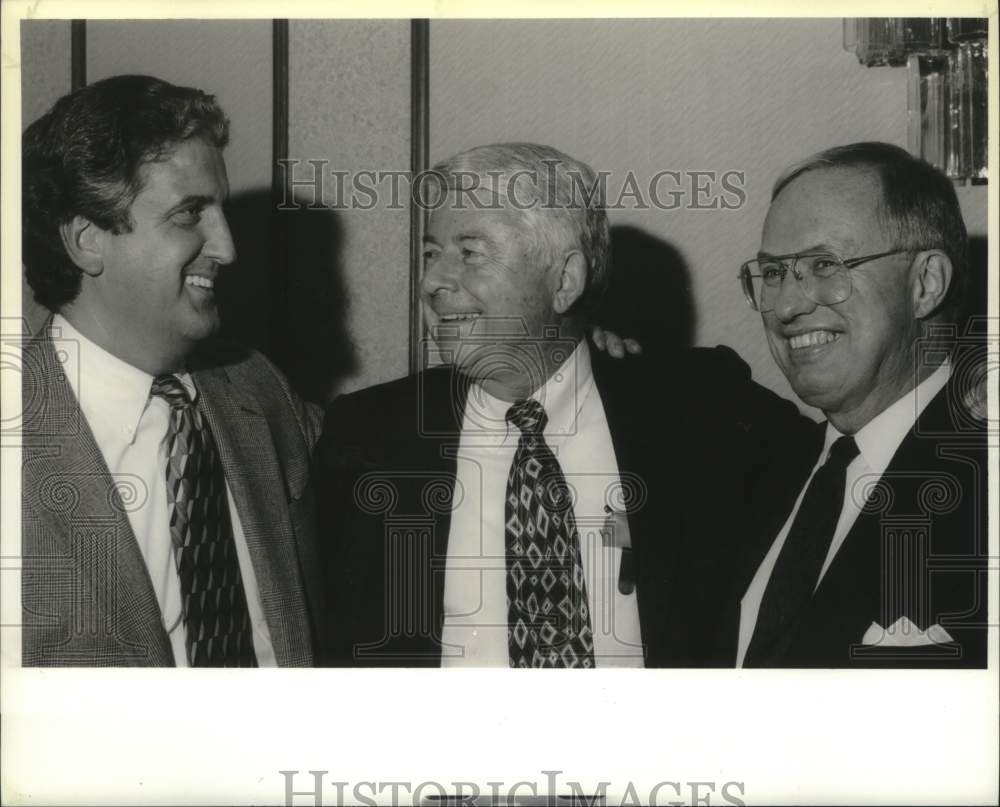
113 394
880 437
562 395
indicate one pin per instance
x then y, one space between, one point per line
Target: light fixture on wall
946 96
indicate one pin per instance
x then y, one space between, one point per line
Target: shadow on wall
649 297
295 316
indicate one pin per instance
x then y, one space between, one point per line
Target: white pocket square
904 633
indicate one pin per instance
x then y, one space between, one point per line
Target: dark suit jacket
87 598
683 431
918 549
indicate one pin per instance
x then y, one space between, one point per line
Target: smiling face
855 358
153 299
487 295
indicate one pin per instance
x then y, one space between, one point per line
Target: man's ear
82 241
571 282
931 280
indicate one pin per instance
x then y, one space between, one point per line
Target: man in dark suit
167 512
530 503
870 548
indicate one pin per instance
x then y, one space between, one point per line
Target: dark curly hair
83 158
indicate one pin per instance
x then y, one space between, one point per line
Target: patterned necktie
796 572
214 603
548 621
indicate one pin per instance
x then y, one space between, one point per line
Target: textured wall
350 105
650 95
44 66
645 95
230 59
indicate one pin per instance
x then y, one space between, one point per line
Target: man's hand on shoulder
614 345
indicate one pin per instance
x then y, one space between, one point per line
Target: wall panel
350 106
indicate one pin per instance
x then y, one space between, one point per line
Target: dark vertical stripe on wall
278 272
77 54
419 137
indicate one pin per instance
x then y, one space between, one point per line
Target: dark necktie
214 602
548 620
796 572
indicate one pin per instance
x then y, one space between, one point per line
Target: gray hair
558 197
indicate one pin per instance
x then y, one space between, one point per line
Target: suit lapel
629 426
404 476
775 494
80 508
648 471
260 491
778 493
442 396
851 596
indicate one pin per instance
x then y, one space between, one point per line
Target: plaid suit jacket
87 598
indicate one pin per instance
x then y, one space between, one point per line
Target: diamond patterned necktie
214 603
797 569
548 620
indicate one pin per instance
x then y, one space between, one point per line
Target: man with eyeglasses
871 551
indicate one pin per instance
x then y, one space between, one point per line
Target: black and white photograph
419 353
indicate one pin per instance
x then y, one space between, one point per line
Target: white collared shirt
475 592
878 440
130 428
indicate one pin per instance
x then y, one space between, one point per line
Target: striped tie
215 605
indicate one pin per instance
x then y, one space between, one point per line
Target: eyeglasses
823 277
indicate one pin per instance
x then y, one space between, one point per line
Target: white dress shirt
878 440
130 428
475 591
